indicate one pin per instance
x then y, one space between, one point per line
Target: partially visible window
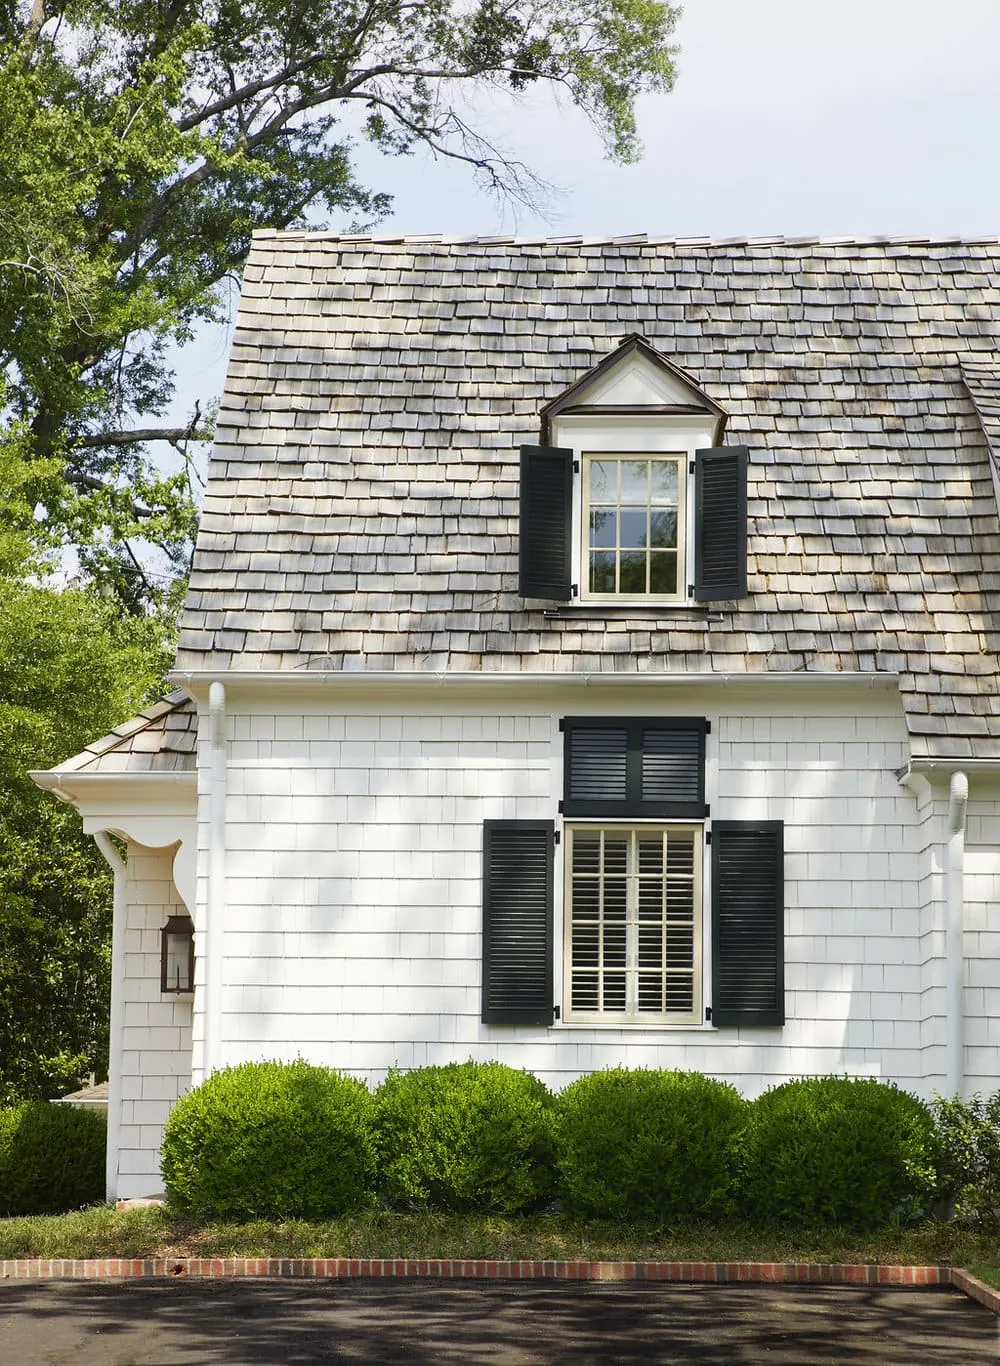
633 923
633 525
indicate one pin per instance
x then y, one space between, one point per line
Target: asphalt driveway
145 1323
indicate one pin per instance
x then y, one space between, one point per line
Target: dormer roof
635 376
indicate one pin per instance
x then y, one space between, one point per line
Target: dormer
632 500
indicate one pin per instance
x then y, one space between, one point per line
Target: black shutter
748 920
635 766
720 486
544 550
517 922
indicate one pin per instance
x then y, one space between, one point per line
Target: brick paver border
451 1268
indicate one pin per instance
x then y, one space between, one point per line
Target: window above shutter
517 921
748 920
546 516
635 766
720 523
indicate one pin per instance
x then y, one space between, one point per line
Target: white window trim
636 1019
623 433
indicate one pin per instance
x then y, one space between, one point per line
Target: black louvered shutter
720 485
635 766
544 549
748 918
517 922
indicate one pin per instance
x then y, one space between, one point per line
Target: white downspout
120 871
954 939
216 900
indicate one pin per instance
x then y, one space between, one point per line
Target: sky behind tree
789 117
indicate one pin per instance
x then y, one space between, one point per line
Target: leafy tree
71 666
141 142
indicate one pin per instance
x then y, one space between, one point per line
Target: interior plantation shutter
517 921
635 766
546 518
748 917
720 497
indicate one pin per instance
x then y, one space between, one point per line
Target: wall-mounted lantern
177 955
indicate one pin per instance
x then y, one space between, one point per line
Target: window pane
586 946
585 991
614 946
632 527
662 528
635 481
603 481
615 852
586 851
632 572
664 481
663 572
614 992
602 571
680 994
650 993
650 853
650 948
602 527
615 898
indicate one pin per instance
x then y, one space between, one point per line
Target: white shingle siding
156 1030
353 928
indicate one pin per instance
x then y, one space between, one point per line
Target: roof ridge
619 239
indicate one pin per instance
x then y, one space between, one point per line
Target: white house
590 658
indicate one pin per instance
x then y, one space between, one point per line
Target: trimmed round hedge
270 1140
52 1158
838 1150
465 1136
650 1146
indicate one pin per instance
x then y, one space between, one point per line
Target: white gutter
954 939
196 680
118 867
216 900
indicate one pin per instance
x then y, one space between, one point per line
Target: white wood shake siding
156 1029
354 884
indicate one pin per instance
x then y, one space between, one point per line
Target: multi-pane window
632 922
633 525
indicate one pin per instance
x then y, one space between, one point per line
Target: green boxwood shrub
270 1140
838 1150
52 1158
465 1136
655 1147
969 1136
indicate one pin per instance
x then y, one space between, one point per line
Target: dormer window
634 502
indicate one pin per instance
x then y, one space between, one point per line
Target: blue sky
789 116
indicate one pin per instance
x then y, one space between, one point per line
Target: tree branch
104 440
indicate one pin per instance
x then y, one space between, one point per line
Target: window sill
635 1027
680 611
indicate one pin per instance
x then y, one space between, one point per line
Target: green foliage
838 1150
969 1134
270 1140
653 1146
71 667
142 143
465 1136
51 1158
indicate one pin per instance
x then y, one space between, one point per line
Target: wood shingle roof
363 497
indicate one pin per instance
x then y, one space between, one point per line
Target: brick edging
452 1268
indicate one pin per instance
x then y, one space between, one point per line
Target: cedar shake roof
161 739
362 508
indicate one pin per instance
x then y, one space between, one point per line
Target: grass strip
103 1231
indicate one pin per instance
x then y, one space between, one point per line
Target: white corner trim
119 870
958 801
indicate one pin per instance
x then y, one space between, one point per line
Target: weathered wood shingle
362 505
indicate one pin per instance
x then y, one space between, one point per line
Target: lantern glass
177 955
